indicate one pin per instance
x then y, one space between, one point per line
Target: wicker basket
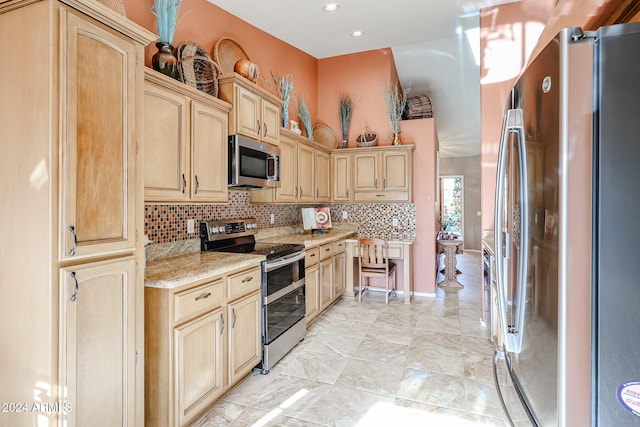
227 52
367 140
196 68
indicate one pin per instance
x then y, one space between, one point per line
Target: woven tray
227 52
325 136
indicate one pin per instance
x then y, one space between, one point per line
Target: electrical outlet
273 218
345 214
394 222
478 213
191 226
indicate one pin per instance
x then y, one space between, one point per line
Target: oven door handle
268 266
284 291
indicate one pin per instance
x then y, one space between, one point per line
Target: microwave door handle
276 167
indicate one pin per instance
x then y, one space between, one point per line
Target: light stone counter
169 273
311 241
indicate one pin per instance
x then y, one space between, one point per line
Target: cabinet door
326 283
323 185
98 94
199 365
247 113
338 275
209 130
312 291
341 176
288 190
166 153
366 171
270 122
245 335
306 173
97 343
396 170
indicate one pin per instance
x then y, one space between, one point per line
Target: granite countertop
169 273
488 242
309 240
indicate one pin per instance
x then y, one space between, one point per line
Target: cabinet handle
74 296
265 129
347 194
258 127
222 319
296 193
72 229
380 195
197 184
385 183
184 184
233 311
376 183
247 279
316 192
203 296
300 192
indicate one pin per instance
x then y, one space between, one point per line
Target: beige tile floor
424 364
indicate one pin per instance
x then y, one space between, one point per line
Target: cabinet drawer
395 251
326 251
198 300
243 283
338 247
312 257
382 196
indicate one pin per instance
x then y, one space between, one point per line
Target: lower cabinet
312 291
324 276
97 344
245 336
199 342
200 350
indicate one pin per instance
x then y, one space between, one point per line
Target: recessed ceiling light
331 7
357 33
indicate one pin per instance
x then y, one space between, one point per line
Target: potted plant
346 108
395 103
164 60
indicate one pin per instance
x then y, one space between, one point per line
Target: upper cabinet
255 112
383 174
186 134
376 174
98 140
304 173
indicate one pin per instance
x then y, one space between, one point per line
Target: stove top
238 236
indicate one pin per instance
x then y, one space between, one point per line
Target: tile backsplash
165 223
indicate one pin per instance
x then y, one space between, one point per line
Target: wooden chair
373 261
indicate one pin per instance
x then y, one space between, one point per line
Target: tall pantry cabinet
71 255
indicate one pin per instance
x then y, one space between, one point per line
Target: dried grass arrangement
395 103
346 109
305 116
284 90
166 12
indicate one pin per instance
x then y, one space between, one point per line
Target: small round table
449 247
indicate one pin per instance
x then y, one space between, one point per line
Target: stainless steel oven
282 287
283 307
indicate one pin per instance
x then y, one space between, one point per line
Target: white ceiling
435 44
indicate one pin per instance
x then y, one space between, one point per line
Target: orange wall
362 76
422 133
204 23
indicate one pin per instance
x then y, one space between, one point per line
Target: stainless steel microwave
252 164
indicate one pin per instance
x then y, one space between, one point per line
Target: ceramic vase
164 61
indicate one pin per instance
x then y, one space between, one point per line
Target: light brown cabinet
200 339
324 277
339 268
383 174
72 207
245 336
341 177
186 138
312 291
304 173
98 342
326 283
200 357
255 112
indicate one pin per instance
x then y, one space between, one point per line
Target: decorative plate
325 136
227 52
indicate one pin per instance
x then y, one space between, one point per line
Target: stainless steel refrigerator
567 235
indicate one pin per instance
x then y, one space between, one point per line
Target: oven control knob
221 228
213 230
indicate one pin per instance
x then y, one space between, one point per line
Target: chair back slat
373 253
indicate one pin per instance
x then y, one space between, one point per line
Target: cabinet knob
203 296
247 279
